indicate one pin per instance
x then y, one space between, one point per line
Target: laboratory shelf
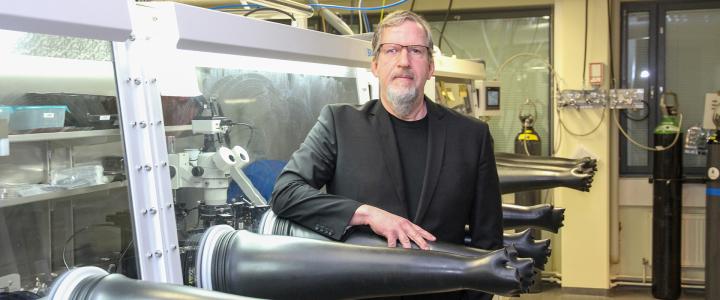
67 135
62 194
178 128
83 134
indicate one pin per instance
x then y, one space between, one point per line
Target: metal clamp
669 110
528 119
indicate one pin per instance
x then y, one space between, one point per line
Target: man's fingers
409 230
418 239
391 240
396 228
426 235
404 240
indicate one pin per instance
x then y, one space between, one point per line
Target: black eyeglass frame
427 48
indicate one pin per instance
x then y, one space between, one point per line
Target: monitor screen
492 94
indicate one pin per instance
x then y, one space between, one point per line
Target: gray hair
396 18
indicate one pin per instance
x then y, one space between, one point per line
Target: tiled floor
621 293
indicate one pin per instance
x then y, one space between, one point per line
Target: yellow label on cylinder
528 137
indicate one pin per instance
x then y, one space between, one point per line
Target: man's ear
374 66
431 72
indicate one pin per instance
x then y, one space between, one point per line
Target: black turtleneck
412 141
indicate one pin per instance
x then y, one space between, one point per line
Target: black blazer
352 152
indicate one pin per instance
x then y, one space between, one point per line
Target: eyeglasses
392 50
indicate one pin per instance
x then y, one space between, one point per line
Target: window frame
657 56
651 9
484 14
511 13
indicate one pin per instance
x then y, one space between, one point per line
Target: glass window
63 193
272 105
668 47
495 41
281 107
638 75
691 64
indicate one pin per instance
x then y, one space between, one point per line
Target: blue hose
358 8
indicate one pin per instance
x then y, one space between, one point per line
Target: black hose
586 42
442 31
269 8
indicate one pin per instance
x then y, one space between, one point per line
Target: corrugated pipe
334 20
287 5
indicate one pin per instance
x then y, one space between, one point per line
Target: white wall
585 237
635 217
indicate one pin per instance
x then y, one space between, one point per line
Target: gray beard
402 100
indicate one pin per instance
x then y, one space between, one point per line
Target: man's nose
404 57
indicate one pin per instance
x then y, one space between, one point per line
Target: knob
197 171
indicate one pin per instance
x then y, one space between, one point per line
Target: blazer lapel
435 157
389 149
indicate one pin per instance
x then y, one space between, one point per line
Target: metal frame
657 11
492 13
69 18
232 34
626 8
146 158
504 13
458 68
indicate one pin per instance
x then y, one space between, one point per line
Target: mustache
403 74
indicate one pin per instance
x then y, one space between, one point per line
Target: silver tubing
267 222
66 284
206 249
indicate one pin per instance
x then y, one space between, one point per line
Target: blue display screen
492 94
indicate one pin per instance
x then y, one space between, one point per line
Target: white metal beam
213 31
146 158
103 20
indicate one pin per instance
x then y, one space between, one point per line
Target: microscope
210 170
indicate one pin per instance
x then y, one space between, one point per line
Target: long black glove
282 267
527 246
92 283
541 216
525 173
539 251
529 178
585 163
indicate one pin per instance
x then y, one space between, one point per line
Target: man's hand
392 227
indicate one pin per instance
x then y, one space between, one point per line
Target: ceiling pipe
292 7
286 5
334 21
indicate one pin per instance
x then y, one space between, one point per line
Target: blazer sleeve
486 215
297 194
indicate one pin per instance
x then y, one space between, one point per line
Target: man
407 168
